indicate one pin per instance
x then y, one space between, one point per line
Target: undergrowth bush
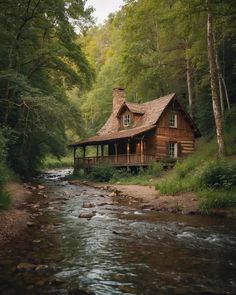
102 173
54 162
218 175
4 197
155 169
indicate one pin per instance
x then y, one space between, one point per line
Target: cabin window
126 120
173 149
173 120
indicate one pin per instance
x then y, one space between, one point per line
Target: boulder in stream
86 215
88 205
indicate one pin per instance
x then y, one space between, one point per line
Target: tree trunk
214 82
226 92
219 83
189 84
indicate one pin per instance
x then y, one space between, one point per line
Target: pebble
40 187
30 224
113 194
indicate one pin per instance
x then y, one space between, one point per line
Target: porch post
84 151
102 150
75 155
128 148
97 150
116 153
142 157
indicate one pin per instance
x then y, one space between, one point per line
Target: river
121 250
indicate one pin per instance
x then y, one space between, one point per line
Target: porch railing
115 160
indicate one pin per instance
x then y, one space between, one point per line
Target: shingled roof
151 112
128 133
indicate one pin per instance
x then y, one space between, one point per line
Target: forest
58 70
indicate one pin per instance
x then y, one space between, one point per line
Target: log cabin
136 134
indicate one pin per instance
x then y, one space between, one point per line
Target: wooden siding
150 145
183 134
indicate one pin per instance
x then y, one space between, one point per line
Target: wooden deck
116 160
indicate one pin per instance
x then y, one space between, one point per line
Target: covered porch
125 151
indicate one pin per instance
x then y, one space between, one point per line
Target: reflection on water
121 250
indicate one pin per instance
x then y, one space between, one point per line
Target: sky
103 8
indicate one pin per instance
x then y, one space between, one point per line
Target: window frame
173 149
126 120
173 120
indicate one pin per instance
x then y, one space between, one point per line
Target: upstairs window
173 120
126 120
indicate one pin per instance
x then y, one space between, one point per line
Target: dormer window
126 120
173 120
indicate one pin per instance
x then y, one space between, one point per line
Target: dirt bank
186 203
14 220
149 198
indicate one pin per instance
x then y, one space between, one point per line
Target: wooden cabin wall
150 145
183 135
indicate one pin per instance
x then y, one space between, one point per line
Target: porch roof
123 134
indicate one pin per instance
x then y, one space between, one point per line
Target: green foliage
218 175
54 162
189 176
217 199
4 197
102 173
212 179
135 179
155 169
5 200
41 58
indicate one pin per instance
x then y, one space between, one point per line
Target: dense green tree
40 58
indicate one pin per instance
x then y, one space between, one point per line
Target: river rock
40 187
103 204
41 267
36 241
26 266
113 194
88 205
86 214
30 224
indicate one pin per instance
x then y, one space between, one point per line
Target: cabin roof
151 112
128 133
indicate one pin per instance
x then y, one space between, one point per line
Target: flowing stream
120 250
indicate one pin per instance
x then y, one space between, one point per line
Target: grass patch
107 173
217 199
138 179
212 179
5 200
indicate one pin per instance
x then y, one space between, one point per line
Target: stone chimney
118 96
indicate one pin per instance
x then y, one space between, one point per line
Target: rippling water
121 250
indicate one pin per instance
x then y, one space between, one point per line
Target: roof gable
151 112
